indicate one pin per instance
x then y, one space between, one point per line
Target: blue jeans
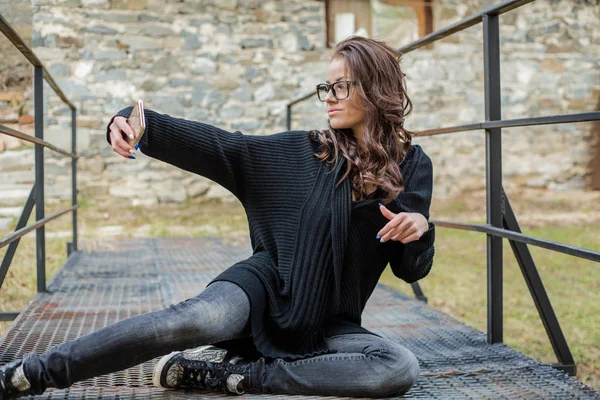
364 365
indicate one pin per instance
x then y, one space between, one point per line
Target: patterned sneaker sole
158 368
191 354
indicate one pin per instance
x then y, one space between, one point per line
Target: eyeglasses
340 89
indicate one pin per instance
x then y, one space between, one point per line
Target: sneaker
207 368
12 381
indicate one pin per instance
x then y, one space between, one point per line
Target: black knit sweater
315 259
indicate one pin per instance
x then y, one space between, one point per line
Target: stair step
22 176
14 195
16 160
5 224
12 212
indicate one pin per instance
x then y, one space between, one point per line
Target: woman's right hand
118 128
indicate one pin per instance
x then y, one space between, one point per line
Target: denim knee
199 321
400 371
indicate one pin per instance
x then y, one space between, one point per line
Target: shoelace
205 375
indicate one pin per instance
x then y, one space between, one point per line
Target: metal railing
36 196
501 220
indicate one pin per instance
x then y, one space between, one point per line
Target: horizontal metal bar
519 237
461 25
23 231
20 135
512 123
9 316
20 44
302 98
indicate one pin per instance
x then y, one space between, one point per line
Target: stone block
192 42
101 29
233 111
256 112
155 30
219 192
203 65
112 75
265 93
59 70
213 99
101 4
165 65
196 189
144 202
246 126
243 94
138 43
197 114
227 4
168 104
137 4
252 43
170 192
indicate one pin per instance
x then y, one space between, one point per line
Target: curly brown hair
374 163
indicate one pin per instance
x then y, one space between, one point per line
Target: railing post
289 117
493 141
74 175
40 233
538 294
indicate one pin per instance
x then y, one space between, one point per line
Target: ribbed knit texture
315 258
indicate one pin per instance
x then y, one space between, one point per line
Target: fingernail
132 157
381 240
131 151
378 236
137 146
131 137
380 204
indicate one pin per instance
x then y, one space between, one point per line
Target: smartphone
137 121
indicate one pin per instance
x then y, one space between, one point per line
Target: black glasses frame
332 86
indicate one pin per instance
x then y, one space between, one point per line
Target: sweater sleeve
197 147
412 261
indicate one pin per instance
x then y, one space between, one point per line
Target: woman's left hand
403 227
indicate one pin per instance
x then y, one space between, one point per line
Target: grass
456 285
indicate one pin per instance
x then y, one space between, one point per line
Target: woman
287 319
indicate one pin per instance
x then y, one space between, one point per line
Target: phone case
137 121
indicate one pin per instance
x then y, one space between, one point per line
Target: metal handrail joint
20 44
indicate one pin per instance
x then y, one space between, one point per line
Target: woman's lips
333 111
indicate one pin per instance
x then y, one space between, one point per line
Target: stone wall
228 63
235 64
550 54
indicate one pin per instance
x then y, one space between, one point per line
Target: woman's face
346 113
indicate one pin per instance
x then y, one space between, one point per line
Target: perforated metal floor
115 280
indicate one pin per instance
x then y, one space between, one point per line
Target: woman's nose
329 98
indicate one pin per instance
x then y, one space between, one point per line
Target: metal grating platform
115 280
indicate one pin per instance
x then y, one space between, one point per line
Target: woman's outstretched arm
413 260
197 147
